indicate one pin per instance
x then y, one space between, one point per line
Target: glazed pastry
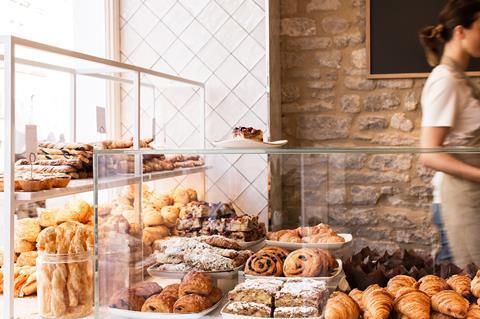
296 312
378 302
475 285
341 306
27 229
171 290
22 246
357 296
170 215
220 242
162 302
256 291
461 284
191 304
412 303
249 309
195 283
126 299
147 289
264 264
150 234
152 217
290 237
398 282
432 284
27 259
280 252
216 295
450 303
308 262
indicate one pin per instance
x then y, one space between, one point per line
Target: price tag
31 141
101 120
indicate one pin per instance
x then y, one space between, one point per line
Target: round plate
227 274
293 246
239 143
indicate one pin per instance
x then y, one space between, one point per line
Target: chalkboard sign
394 49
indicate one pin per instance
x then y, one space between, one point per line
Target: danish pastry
264 264
191 304
308 262
280 252
341 306
195 283
450 303
159 303
171 290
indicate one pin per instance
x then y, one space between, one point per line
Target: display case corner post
9 175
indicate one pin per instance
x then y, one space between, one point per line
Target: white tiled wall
223 44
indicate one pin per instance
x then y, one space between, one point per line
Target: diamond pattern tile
230 5
251 201
231 34
216 128
231 109
129 7
259 71
249 15
260 33
231 72
177 19
144 55
214 194
178 55
261 183
194 6
196 70
213 54
250 119
212 17
178 96
162 66
249 53
130 40
143 21
232 183
249 90
261 4
215 91
221 165
195 36
179 128
160 38
159 8
250 166
261 108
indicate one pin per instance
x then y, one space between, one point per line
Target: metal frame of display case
11 198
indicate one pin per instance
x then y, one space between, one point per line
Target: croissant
450 303
378 302
475 285
438 315
412 303
460 283
473 312
431 284
341 306
398 282
357 296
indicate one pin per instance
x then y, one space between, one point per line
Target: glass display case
337 220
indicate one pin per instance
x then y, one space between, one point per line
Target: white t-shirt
448 100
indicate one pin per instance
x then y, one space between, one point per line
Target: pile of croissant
429 297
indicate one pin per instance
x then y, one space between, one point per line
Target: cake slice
258 291
296 312
248 133
249 309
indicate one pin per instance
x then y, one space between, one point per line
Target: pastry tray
130 314
233 316
292 246
248 244
336 273
227 274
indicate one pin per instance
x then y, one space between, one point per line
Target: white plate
239 143
232 316
229 274
292 246
337 272
155 315
248 244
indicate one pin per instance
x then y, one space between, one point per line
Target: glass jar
65 285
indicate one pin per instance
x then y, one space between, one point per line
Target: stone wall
327 100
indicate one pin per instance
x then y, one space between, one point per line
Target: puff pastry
47 218
27 259
22 246
162 302
27 229
412 303
473 312
450 303
216 295
341 306
264 264
461 284
432 284
152 217
47 240
357 296
191 304
378 302
195 283
308 262
475 285
171 290
280 252
398 282
59 286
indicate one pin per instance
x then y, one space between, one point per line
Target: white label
101 121
31 142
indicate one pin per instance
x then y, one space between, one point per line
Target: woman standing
451 117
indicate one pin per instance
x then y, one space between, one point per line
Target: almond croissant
450 303
473 312
357 296
475 285
341 306
378 303
460 283
412 303
431 284
398 282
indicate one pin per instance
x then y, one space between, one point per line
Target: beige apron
461 207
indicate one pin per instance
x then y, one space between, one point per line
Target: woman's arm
432 137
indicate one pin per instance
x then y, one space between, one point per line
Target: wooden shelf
86 185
